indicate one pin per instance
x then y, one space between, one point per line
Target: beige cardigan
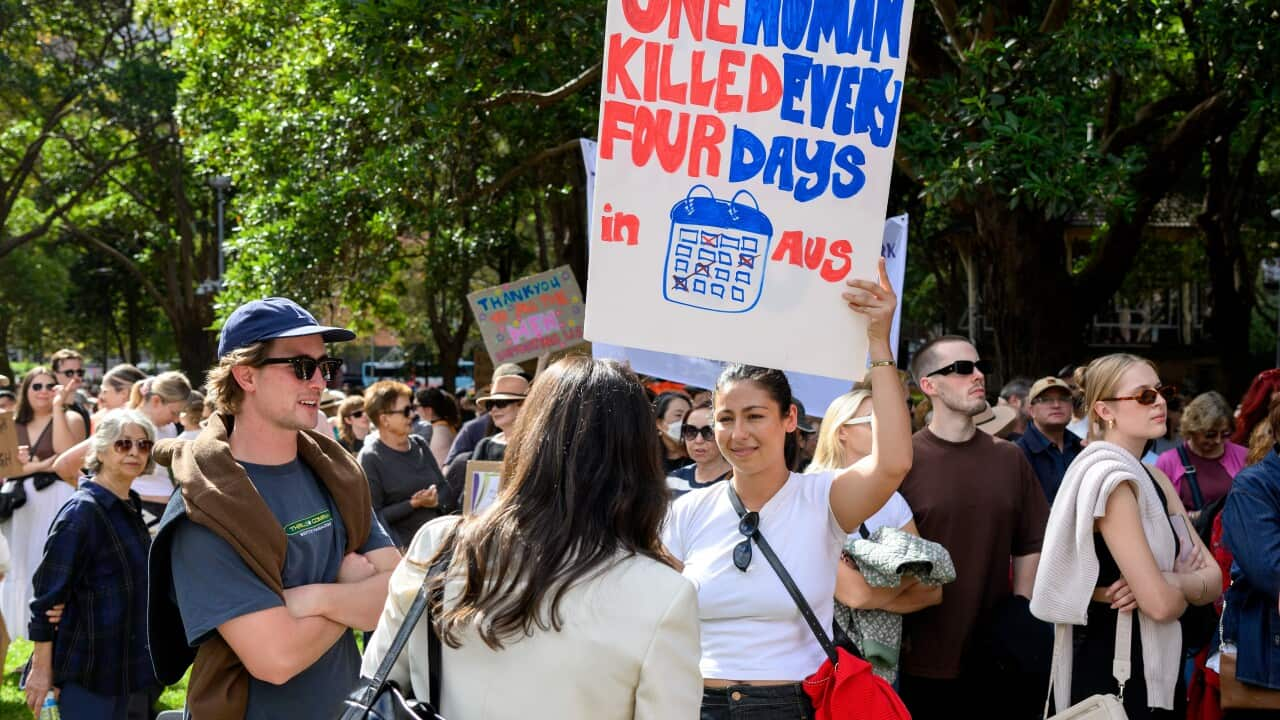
629 648
1068 569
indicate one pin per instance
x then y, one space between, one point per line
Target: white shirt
895 513
751 628
157 483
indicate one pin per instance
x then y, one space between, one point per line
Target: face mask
673 430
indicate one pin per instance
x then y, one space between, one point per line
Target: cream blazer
628 648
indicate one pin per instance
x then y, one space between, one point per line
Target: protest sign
9 465
816 392
529 317
745 149
484 480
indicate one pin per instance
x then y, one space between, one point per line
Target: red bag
851 690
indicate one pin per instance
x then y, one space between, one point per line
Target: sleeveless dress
26 532
1095 644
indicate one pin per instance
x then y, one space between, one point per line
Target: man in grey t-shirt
297 647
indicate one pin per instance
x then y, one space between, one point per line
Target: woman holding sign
756 645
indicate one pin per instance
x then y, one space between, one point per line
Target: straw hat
507 387
995 420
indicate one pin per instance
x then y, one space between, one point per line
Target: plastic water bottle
49 710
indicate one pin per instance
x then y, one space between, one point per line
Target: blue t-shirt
213 585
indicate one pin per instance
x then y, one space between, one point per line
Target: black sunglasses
499 404
1148 395
79 372
304 367
689 432
742 551
962 367
407 410
357 414
37 387
124 445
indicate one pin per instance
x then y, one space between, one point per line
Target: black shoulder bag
807 612
378 698
1189 473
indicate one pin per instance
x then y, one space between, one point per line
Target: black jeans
749 702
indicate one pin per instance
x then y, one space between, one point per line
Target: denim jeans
749 702
79 703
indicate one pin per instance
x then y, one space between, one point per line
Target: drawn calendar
717 252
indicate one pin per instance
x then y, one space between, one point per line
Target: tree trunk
5 369
196 345
1229 272
1027 295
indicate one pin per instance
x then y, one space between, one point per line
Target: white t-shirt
751 628
157 483
895 513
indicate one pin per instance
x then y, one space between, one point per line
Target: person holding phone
404 479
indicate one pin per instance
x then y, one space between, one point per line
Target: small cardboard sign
9 464
531 316
484 480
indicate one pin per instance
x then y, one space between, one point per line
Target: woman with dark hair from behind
561 590
442 412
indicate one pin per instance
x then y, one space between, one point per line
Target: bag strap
1189 472
421 604
807 612
1121 664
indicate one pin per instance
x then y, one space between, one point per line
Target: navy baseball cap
272 318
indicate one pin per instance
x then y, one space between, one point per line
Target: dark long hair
442 404
778 388
582 482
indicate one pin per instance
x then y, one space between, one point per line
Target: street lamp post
220 184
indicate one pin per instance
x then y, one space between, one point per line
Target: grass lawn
13 704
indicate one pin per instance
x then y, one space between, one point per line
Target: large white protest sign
745 149
815 391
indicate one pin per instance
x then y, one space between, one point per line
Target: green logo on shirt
314 522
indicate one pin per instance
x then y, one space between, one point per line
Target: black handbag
378 698
12 496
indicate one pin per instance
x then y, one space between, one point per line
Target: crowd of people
655 550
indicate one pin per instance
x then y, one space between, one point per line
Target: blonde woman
1119 540
844 439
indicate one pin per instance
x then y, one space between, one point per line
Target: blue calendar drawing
716 252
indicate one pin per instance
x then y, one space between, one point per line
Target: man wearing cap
269 552
1048 444
978 497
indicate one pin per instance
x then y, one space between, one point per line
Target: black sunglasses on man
962 367
304 367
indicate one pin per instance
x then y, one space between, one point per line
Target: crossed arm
278 643
907 596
